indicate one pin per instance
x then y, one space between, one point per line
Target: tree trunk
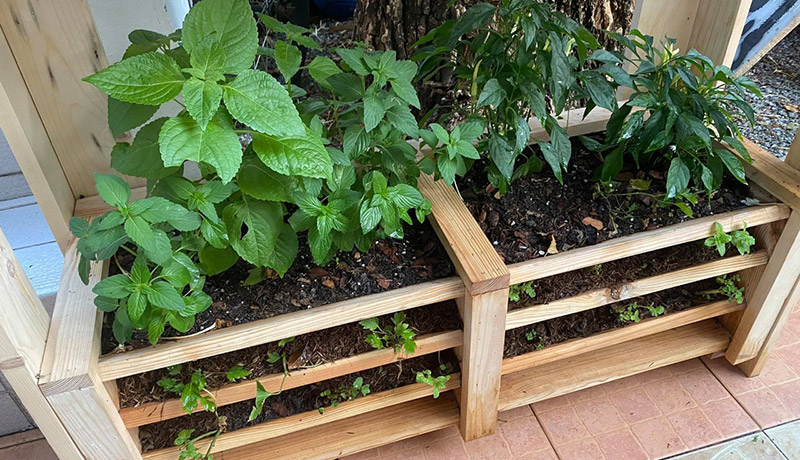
599 15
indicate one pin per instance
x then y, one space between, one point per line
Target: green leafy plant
398 335
515 290
188 229
516 60
332 398
436 383
728 287
677 118
631 313
740 239
533 336
261 393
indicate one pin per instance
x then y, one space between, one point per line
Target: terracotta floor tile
562 425
621 384
786 339
729 417
36 450
655 374
524 435
658 438
621 445
702 386
765 407
776 371
371 454
687 366
450 448
492 447
549 454
791 356
586 394
694 428
789 394
635 405
599 415
415 453
513 414
732 378
669 395
550 404
584 449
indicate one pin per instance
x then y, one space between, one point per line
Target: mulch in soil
524 223
297 400
541 335
617 272
389 264
306 350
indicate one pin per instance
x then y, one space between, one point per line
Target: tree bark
599 15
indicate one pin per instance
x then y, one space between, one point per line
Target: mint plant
332 398
338 160
436 383
398 335
515 290
631 313
728 287
261 393
677 118
516 60
740 239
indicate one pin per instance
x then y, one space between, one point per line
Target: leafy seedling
398 336
515 290
740 239
436 383
332 398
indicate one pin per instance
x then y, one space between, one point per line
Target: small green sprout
515 290
344 393
399 336
437 383
740 239
727 287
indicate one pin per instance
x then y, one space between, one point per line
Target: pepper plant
337 160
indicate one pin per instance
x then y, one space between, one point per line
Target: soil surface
540 215
538 336
618 272
306 350
297 400
389 264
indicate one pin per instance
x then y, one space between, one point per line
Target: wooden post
69 377
22 337
483 309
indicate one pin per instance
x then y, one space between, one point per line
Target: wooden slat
642 242
356 434
611 363
777 177
602 340
93 206
293 423
273 329
768 299
599 297
158 411
28 139
475 259
718 26
574 123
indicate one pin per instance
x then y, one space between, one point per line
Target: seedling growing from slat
437 383
398 336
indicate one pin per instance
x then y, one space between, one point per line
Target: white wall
115 19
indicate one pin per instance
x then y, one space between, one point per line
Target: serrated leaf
285 250
208 59
112 189
259 181
374 110
231 23
405 91
320 244
214 261
143 157
356 140
160 209
202 99
150 79
125 116
113 287
262 221
237 373
288 59
183 139
256 99
137 304
321 68
302 155
162 294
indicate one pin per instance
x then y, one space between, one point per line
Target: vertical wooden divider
483 309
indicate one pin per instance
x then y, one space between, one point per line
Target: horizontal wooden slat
647 327
642 242
304 421
599 297
94 206
158 411
273 329
355 434
774 175
615 362
573 122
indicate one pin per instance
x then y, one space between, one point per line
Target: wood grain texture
599 297
573 122
574 347
674 19
29 141
642 242
362 432
718 26
611 363
484 319
769 296
280 327
474 256
777 177
294 423
157 411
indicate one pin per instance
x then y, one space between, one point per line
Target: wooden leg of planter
69 370
769 296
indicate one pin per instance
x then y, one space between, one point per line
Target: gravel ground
778 112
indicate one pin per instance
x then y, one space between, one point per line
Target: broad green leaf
162 210
475 17
259 181
356 140
79 227
180 323
447 168
214 261
232 24
732 163
288 59
140 274
125 116
320 244
253 227
143 157
208 59
369 217
560 74
285 250
321 68
137 304
256 99
502 155
491 94
112 189
237 373
155 328
346 86
154 242
149 79
122 327
182 139
301 155
677 177
405 196
405 91
162 294
113 287
600 90
355 59
106 304
374 110
202 99
400 117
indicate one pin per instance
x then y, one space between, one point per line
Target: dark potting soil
306 350
297 400
389 264
525 222
617 272
538 336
